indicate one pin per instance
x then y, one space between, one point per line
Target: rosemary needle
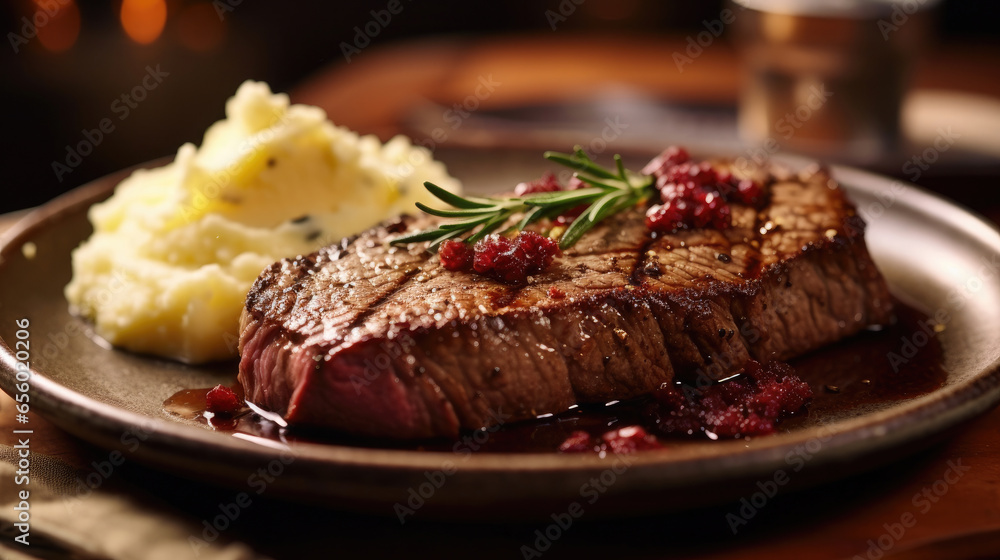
609 192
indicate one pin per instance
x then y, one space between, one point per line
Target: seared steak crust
382 341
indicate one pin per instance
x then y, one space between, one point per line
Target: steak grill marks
382 341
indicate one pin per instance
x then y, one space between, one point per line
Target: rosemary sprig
609 192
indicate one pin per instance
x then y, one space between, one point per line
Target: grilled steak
382 341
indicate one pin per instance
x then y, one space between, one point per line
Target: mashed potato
176 249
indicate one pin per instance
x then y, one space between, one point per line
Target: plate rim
849 439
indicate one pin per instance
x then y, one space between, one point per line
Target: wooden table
859 517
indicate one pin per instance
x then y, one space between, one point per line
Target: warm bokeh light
61 24
143 20
199 27
779 27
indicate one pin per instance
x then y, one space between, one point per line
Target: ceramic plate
932 253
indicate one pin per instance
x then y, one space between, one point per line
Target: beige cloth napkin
104 524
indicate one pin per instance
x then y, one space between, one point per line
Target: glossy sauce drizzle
846 378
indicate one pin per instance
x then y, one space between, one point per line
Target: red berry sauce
456 255
567 217
548 183
692 195
222 400
503 259
695 195
620 441
513 260
749 405
629 440
579 442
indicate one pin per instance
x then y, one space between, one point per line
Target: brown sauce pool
868 370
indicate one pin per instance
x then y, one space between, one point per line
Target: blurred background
90 88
